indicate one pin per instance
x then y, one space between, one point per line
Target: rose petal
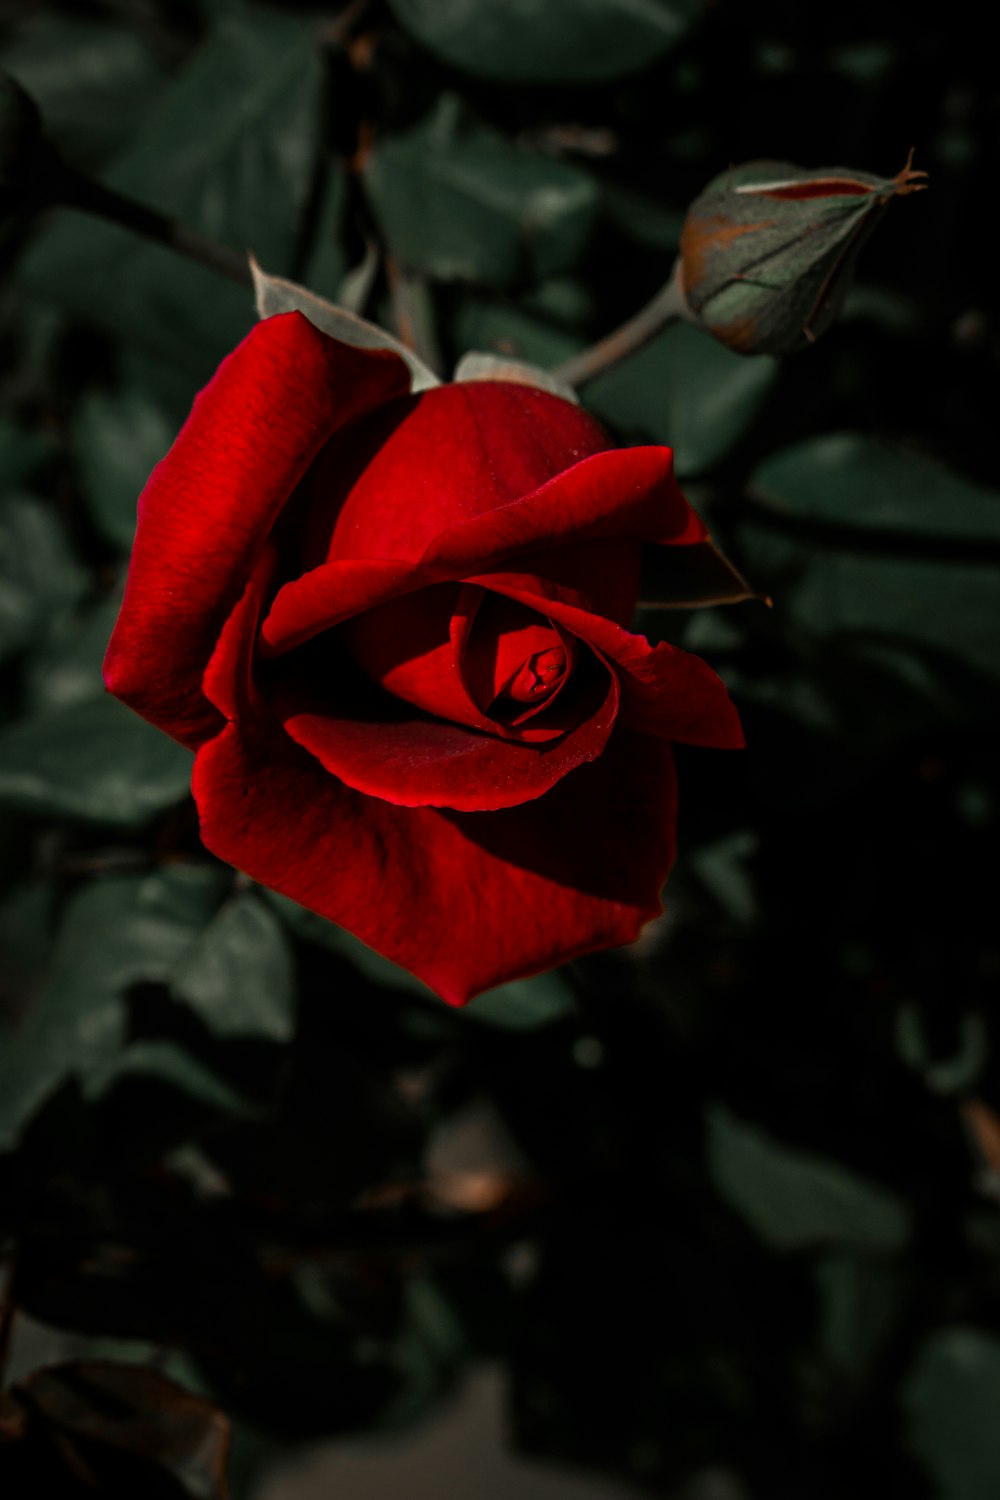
463 900
332 593
210 505
386 749
627 493
665 691
413 648
228 681
454 452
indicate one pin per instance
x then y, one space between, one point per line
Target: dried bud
20 139
768 249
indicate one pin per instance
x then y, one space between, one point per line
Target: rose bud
394 628
768 249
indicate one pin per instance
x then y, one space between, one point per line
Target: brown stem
76 190
667 306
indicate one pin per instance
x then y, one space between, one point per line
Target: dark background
724 1207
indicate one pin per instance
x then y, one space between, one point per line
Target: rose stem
75 189
665 308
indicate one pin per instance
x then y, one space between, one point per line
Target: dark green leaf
22 453
239 975
93 81
229 148
852 480
456 199
167 1063
561 41
951 1400
327 265
795 1200
859 1300
39 577
116 931
118 438
722 868
882 603
511 333
66 668
26 913
94 760
525 1004
686 390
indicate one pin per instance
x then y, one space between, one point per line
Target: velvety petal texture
395 629
213 501
463 900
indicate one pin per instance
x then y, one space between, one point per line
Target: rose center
537 676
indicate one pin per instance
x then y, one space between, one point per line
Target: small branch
75 190
666 307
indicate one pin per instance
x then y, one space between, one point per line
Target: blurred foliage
736 1207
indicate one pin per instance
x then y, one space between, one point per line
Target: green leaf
852 480
859 1300
92 81
525 1004
481 323
560 41
39 577
884 605
22 453
116 931
118 438
721 867
795 1200
66 668
686 390
229 148
165 1061
26 912
951 1401
276 295
94 760
239 975
457 200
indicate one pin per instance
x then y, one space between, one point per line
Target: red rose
394 629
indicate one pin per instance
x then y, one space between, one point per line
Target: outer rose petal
462 900
210 505
665 691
